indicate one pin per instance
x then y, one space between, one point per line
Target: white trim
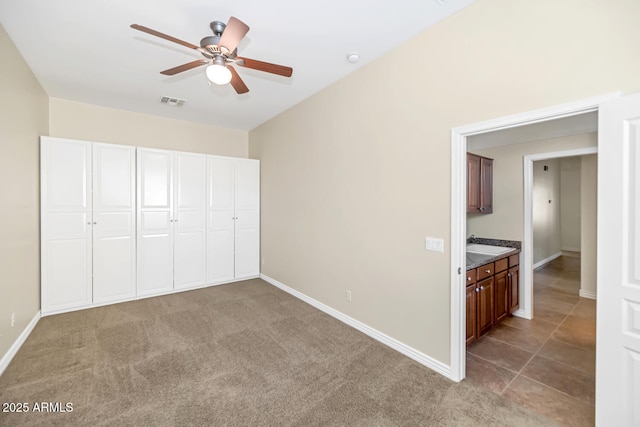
10 354
587 294
408 351
458 211
547 260
570 249
527 243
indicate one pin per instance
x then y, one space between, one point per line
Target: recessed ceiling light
353 57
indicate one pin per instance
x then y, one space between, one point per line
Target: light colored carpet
239 354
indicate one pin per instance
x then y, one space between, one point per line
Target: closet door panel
65 224
68 274
155 222
190 248
220 218
247 243
247 214
114 237
154 175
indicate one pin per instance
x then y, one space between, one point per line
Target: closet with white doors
171 221
119 223
233 219
87 224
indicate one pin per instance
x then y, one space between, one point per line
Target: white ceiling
85 51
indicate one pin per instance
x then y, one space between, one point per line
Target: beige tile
488 375
500 353
585 309
549 402
536 325
578 331
548 315
578 357
562 377
528 340
553 304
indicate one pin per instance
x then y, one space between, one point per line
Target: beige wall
24 117
589 223
545 209
570 206
88 122
355 177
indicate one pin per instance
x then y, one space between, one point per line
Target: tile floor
546 364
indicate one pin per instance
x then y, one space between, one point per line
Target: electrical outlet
349 296
13 319
262 261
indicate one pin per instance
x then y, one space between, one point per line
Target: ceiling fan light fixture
218 74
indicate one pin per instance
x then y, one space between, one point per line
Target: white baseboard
571 249
9 355
408 351
547 260
587 294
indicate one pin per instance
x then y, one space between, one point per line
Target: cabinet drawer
471 276
514 260
485 271
502 264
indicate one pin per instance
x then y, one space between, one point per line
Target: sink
476 248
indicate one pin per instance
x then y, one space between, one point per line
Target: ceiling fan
220 50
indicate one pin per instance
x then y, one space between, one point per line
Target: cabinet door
189 223
66 224
514 288
485 306
486 185
501 297
472 301
220 219
114 238
155 222
247 222
473 183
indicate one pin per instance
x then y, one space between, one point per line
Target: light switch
434 244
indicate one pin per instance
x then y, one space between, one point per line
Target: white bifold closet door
87 223
171 221
114 222
233 219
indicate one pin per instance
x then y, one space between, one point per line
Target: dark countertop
476 260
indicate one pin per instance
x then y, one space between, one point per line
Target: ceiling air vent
176 102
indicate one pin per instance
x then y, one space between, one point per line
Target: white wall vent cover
176 102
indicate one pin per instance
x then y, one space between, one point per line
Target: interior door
247 222
618 294
114 238
189 257
220 219
66 224
155 221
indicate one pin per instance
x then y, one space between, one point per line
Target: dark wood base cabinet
492 295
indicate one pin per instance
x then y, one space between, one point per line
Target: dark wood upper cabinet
479 184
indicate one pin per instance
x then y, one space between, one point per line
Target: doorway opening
459 138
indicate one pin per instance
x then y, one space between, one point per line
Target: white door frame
458 210
526 285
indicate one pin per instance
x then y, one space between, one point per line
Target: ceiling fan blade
232 34
163 36
237 82
184 67
281 70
